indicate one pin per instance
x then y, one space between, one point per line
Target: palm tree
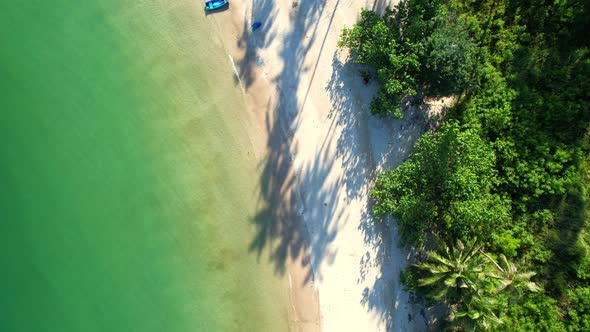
510 278
456 274
476 315
469 280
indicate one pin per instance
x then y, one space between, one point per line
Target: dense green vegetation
509 163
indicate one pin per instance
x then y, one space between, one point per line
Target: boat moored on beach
214 4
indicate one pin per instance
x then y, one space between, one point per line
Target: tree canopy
509 163
418 48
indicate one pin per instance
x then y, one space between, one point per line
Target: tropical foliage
473 283
444 188
509 163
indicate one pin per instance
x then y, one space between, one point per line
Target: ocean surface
127 174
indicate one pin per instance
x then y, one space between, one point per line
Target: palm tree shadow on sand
281 233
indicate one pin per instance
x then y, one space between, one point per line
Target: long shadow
317 61
280 225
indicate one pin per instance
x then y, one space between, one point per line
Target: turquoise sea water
126 174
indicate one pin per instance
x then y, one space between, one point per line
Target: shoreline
320 150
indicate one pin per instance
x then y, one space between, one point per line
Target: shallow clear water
126 174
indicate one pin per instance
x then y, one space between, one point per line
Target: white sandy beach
320 150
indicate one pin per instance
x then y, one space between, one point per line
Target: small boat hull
214 4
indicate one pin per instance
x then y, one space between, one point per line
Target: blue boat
214 4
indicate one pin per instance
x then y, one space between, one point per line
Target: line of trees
508 165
